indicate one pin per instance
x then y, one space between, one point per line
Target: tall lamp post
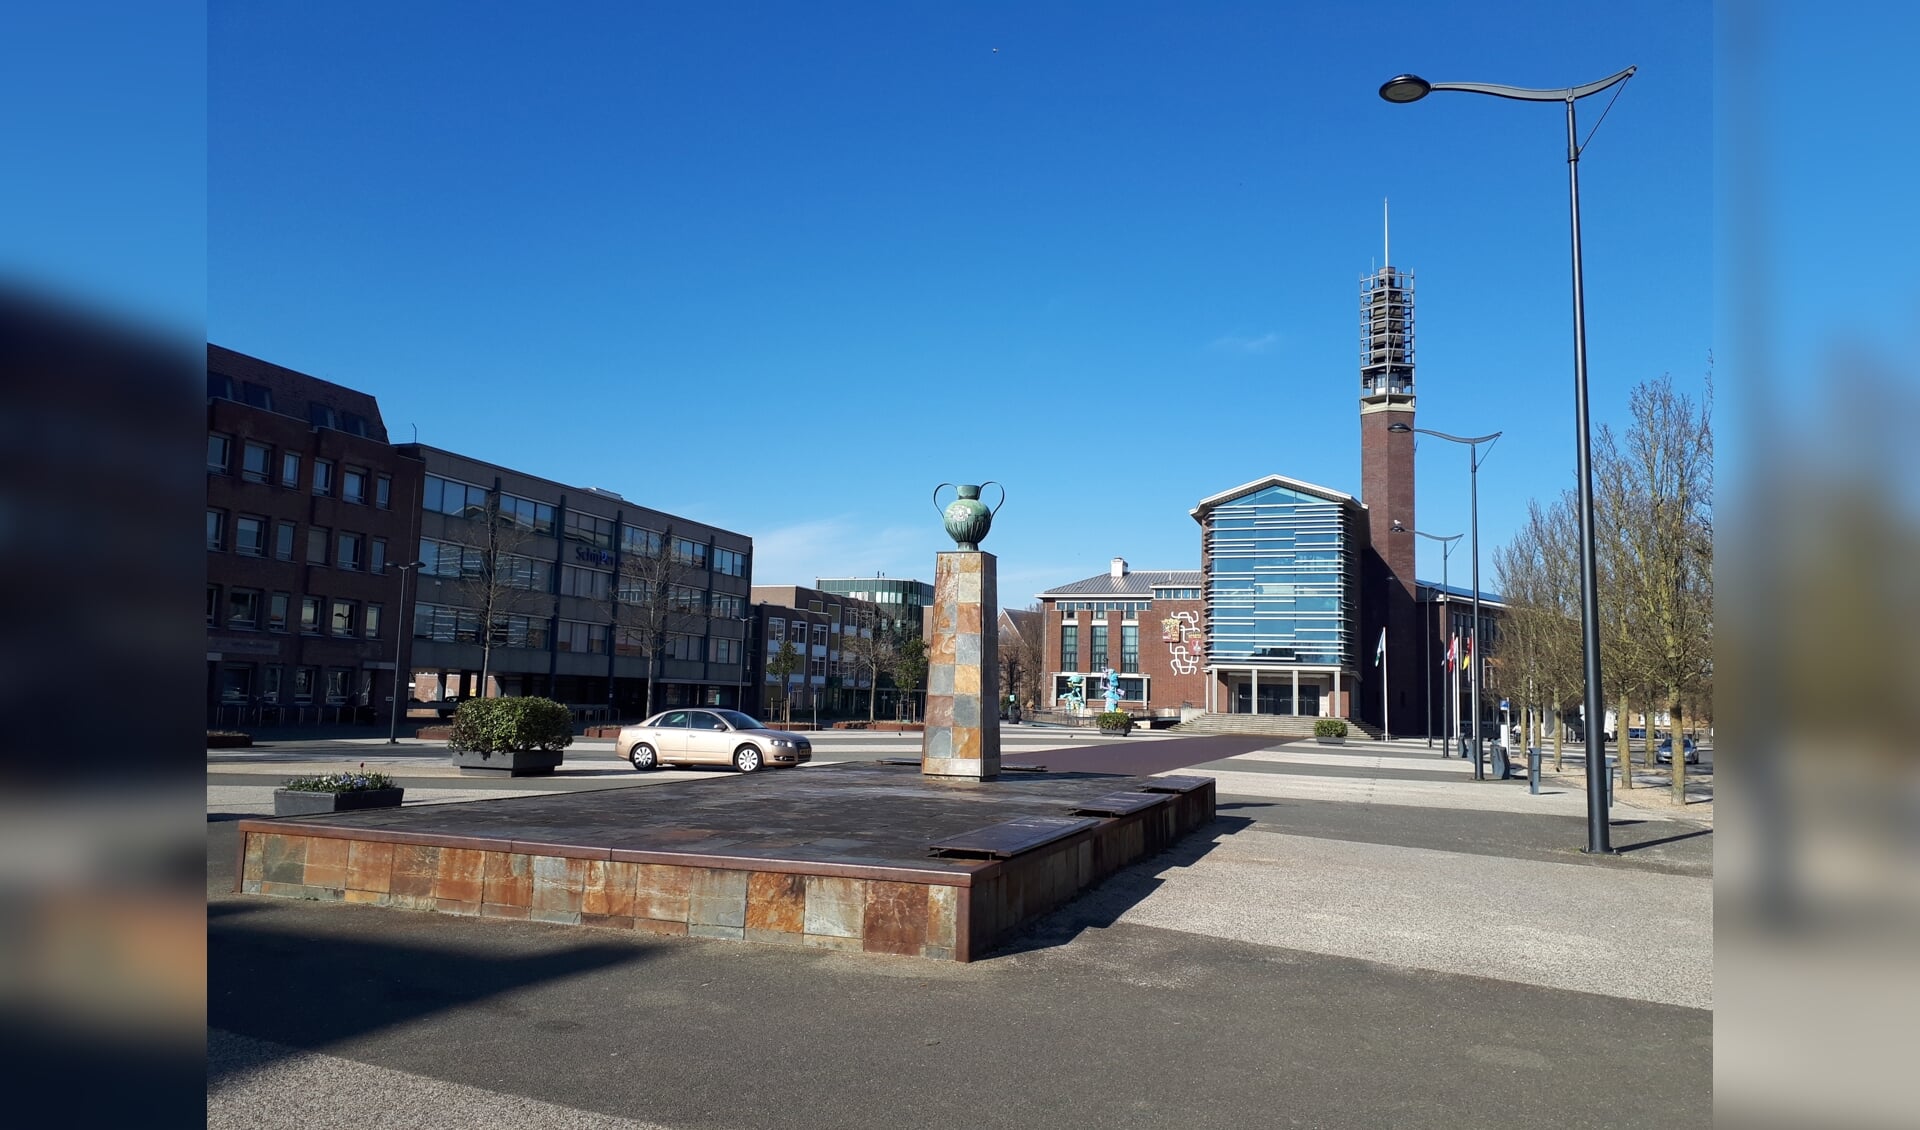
1474 459
1412 88
1446 551
401 628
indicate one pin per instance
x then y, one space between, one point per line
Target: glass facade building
1281 584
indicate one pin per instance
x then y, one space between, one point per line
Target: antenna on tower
1386 243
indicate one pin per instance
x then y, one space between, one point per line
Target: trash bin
1613 766
1502 768
1533 769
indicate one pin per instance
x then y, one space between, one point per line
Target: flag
1381 649
1453 650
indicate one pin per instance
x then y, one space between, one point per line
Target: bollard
1502 768
1612 765
1533 769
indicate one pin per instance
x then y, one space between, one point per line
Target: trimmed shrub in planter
1331 731
336 792
1114 721
516 736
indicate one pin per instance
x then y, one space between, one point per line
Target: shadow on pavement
1102 905
306 991
1663 840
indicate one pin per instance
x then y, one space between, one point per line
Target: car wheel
643 757
746 759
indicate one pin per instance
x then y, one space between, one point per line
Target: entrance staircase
1276 725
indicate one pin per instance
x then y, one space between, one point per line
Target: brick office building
1146 626
308 508
821 625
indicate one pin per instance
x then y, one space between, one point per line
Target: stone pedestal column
962 736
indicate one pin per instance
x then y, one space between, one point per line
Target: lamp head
1398 528
1398 428
1405 88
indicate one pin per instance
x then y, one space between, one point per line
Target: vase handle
937 508
1003 496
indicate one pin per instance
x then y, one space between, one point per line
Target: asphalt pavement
1362 938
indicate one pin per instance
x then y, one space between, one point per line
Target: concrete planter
1116 731
296 802
514 763
1331 741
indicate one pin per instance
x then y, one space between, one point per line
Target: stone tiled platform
835 856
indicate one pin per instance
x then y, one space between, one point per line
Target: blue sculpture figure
1074 699
1113 691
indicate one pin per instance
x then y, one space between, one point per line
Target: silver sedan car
710 736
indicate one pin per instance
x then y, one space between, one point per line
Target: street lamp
1446 551
1474 460
1412 88
400 631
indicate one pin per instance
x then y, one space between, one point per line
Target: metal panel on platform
1004 841
1119 804
1177 784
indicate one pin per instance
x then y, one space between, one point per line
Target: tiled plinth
833 857
962 735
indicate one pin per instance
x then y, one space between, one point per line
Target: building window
458 499
243 608
349 556
726 606
589 583
250 536
1130 649
303 679
216 529
383 491
290 469
219 452
353 485
370 623
339 680
277 612
317 537
813 606
817 667
681 598
377 563
213 605
578 636
686 647
283 541
527 631
729 563
726 651
1097 658
528 514
323 476
256 462
689 552
639 540
259 396
270 683
236 682
589 529
310 615
1069 647
776 630
342 618
819 635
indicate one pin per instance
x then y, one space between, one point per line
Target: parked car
710 737
1690 754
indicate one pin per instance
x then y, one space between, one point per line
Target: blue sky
784 268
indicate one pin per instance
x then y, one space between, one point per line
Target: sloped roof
1137 582
1301 485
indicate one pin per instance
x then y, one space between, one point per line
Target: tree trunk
1558 730
1624 756
873 693
1679 750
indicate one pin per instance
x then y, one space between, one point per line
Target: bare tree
656 591
869 650
491 574
1020 654
784 663
909 667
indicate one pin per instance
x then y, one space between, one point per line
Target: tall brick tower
1386 486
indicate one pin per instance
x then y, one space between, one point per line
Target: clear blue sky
785 267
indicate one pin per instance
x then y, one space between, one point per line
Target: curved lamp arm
1412 88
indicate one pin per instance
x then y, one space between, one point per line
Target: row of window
254 535
1099 656
469 563
258 465
821 668
777 632
465 500
335 686
253 610
220 387
1102 607
447 624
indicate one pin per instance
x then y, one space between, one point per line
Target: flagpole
1386 720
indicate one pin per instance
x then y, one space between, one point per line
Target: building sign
591 555
230 648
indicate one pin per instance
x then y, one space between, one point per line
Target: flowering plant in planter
336 792
340 783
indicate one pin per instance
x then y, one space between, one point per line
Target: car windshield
740 721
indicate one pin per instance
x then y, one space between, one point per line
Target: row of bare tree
1653 543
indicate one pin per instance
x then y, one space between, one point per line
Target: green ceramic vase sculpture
967 518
